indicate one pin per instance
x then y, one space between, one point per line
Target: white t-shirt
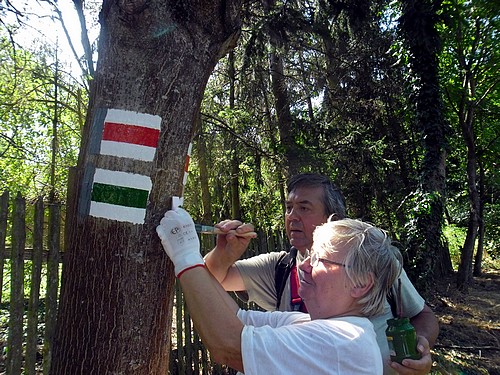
290 343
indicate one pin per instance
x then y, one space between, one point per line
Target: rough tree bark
155 58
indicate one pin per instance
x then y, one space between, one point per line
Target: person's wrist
188 269
188 261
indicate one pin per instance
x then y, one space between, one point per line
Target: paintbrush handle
245 235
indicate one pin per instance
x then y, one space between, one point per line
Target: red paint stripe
186 165
138 135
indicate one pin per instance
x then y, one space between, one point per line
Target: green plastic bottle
402 339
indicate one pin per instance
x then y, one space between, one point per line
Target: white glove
180 240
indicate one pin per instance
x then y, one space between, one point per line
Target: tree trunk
235 183
206 215
478 259
155 58
418 24
466 119
87 47
292 160
235 159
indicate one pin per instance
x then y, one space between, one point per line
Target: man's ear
361 290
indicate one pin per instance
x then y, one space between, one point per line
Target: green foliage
492 235
455 237
418 205
27 281
30 143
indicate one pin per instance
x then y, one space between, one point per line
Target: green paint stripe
119 195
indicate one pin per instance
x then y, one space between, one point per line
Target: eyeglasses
315 259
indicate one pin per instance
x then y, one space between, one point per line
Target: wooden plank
15 337
4 211
34 301
179 301
51 297
28 254
188 342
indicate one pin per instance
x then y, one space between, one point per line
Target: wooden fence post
179 301
4 211
15 337
34 301
51 298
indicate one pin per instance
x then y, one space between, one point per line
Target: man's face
304 212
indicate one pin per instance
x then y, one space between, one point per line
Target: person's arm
427 329
229 248
213 313
426 324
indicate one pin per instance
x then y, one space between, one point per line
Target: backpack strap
281 272
296 300
391 298
394 299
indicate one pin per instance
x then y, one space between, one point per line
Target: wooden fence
31 258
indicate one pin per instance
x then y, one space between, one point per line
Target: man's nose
293 214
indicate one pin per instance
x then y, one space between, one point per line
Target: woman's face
325 286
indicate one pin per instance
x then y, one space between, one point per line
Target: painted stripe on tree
122 196
119 195
125 179
179 201
118 213
139 135
127 150
186 166
121 116
130 134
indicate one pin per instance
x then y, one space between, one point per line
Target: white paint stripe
177 202
127 150
133 118
119 213
124 179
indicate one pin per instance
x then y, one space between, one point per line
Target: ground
469 338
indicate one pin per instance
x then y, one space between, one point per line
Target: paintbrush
208 229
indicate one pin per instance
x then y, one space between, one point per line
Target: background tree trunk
478 258
464 275
203 157
155 58
282 102
466 119
419 26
